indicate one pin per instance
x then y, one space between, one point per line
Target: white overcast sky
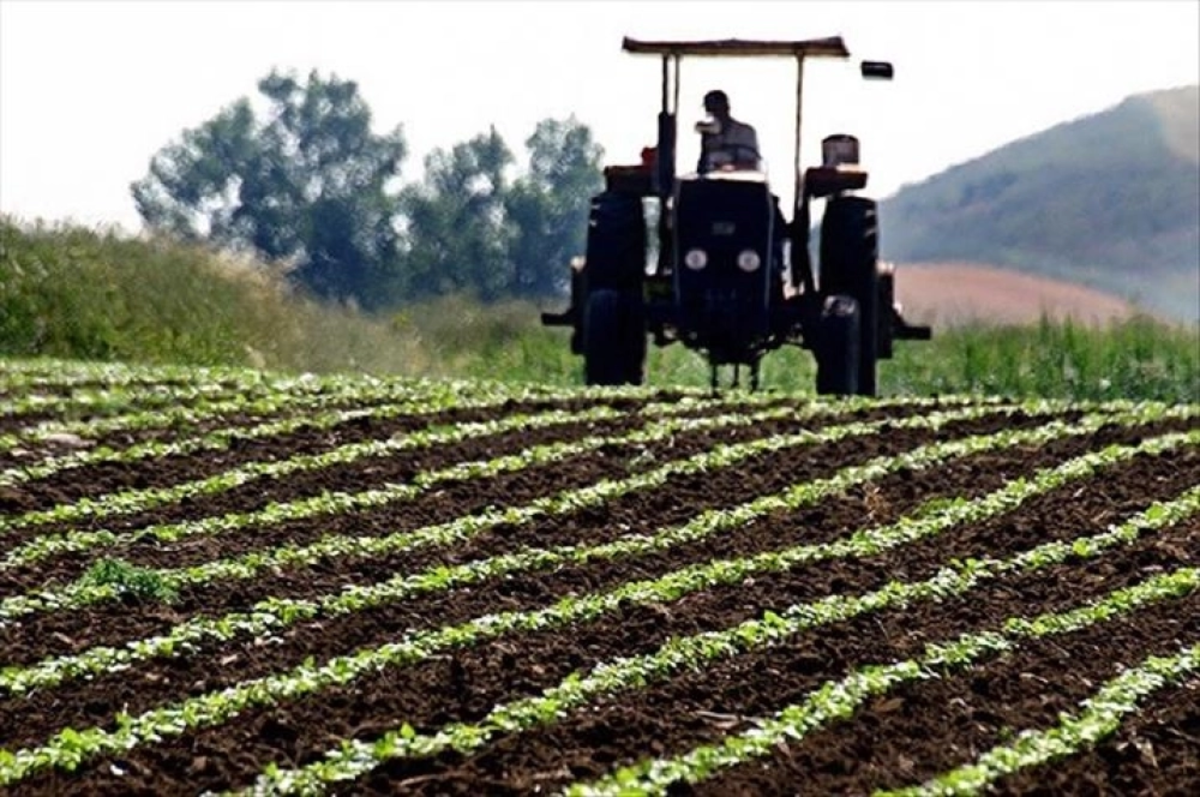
89 90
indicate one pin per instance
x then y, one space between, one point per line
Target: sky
91 89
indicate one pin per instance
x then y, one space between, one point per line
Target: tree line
305 183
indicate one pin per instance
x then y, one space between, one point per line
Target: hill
1110 201
953 294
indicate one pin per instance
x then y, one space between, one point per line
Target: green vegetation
355 757
76 293
71 292
118 578
309 184
839 699
72 747
1111 200
1136 358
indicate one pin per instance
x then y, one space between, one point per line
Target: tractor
731 277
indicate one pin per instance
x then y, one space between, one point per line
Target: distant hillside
952 294
1110 200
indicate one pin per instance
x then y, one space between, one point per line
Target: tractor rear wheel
837 350
849 267
887 303
614 338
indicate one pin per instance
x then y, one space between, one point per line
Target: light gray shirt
736 143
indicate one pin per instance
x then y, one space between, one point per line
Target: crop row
250 565
839 699
109 401
1096 718
93 392
254 398
220 706
141 500
660 424
273 614
447 397
355 758
302 395
22 374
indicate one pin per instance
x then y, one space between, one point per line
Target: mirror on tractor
877 70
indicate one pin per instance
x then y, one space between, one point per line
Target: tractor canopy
832 47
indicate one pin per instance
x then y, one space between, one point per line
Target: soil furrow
878 502
259 492
626 727
373 472
1156 751
446 501
922 728
219 664
95 480
703 707
56 633
465 685
369 472
34 451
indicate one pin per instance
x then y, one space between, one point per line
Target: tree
470 228
548 206
458 235
310 183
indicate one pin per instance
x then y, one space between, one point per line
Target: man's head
717 103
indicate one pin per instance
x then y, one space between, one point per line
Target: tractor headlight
749 261
696 259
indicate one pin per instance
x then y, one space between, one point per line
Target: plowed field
226 582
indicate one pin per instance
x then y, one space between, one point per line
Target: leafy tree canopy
308 183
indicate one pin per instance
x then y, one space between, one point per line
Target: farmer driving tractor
725 143
723 271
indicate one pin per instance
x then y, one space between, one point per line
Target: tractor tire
616 243
887 303
614 338
838 353
849 267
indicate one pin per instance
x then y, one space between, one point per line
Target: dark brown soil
923 728
450 499
1156 751
35 451
480 677
109 477
366 473
681 498
910 734
888 500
